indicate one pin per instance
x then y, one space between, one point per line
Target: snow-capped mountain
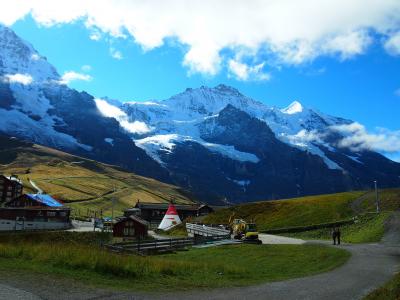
188 116
220 141
216 142
37 106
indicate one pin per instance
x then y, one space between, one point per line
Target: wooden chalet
154 212
10 188
33 212
131 227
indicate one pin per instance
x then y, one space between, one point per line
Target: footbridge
207 231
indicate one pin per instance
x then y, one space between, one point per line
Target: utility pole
112 206
376 196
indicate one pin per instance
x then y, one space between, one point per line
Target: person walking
338 235
334 235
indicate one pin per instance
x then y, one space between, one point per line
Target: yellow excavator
241 230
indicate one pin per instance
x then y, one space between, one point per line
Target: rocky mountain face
218 143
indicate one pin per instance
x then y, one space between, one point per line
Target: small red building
131 227
10 188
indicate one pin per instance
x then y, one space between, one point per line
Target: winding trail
370 266
38 189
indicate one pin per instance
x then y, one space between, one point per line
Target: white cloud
111 111
116 54
73 76
245 72
86 68
291 32
95 35
24 79
357 138
348 44
392 44
304 136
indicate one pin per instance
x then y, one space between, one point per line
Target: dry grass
81 183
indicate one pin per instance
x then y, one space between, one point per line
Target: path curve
8 292
38 189
370 266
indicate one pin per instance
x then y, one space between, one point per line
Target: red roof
171 210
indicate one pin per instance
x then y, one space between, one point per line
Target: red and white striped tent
171 219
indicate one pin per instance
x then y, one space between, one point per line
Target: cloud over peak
291 32
357 138
24 79
70 76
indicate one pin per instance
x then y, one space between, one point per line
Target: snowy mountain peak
294 108
227 89
19 57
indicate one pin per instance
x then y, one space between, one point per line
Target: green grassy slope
292 212
308 210
368 229
81 183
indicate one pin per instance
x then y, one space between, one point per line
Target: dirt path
370 266
277 239
356 205
38 190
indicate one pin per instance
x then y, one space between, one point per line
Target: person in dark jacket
333 232
336 235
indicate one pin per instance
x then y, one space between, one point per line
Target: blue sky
342 58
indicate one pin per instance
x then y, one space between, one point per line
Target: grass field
390 291
82 184
292 212
368 229
226 266
308 210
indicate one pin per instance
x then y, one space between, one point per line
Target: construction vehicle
247 232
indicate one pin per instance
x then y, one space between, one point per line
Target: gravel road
8 292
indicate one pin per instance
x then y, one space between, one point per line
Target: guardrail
148 246
206 231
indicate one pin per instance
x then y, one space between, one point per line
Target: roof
12 178
139 220
45 199
165 206
136 219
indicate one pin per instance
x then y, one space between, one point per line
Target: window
126 231
132 231
51 213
